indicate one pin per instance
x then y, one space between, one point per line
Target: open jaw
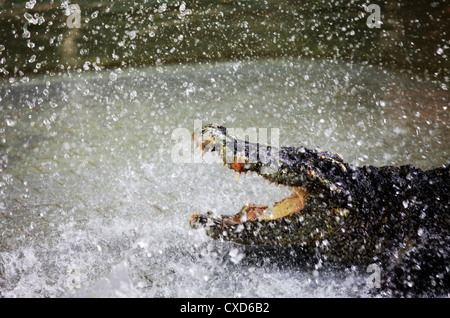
307 217
396 217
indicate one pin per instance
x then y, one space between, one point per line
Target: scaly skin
397 217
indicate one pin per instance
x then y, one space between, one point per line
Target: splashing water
92 205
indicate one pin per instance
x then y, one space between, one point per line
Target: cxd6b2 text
244 307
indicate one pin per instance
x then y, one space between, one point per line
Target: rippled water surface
92 204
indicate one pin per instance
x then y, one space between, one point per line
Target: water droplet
26 34
30 18
162 7
236 256
30 4
113 76
10 122
132 34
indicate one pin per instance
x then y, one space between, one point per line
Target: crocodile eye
311 173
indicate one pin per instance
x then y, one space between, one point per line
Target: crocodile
394 216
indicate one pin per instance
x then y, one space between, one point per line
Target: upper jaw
316 172
241 156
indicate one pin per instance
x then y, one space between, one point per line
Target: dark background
413 36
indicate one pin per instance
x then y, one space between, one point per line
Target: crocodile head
318 207
393 216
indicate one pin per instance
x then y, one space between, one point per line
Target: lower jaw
249 213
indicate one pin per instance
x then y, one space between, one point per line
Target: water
92 205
